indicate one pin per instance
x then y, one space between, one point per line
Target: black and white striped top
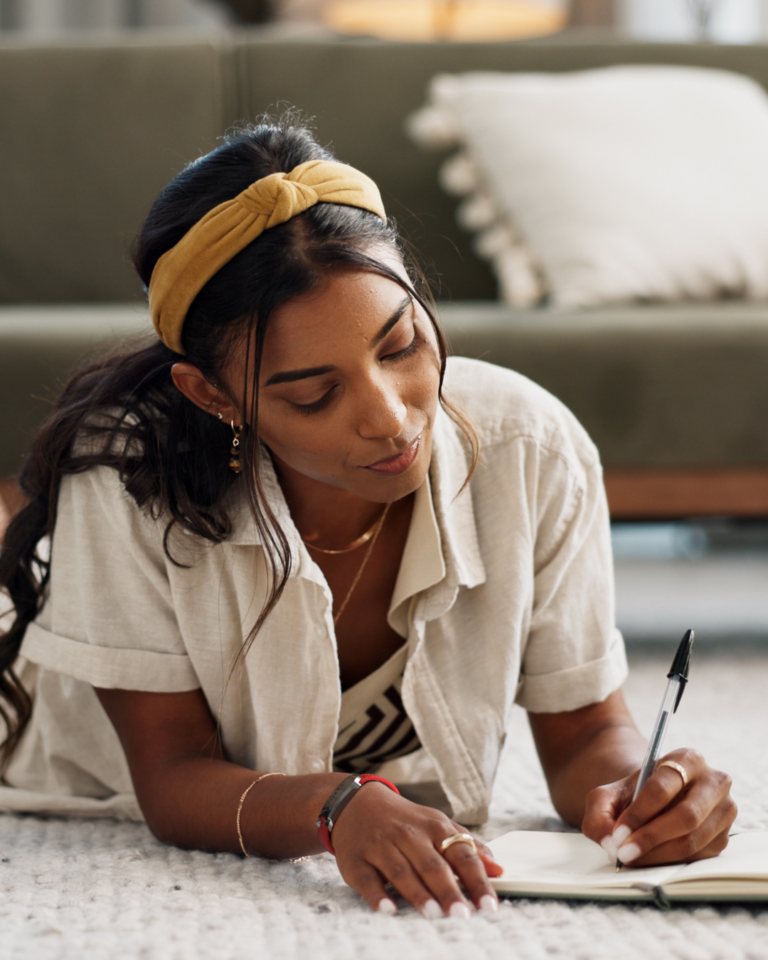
373 724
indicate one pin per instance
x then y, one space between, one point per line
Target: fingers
603 808
492 867
383 839
681 834
672 822
428 891
699 845
369 884
424 877
661 788
471 870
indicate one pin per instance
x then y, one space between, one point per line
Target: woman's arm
189 793
591 758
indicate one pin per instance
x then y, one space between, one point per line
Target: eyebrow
404 304
291 376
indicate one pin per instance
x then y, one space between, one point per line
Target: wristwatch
338 800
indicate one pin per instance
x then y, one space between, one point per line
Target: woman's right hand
382 838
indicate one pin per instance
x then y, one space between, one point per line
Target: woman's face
349 386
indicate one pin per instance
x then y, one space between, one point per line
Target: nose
380 411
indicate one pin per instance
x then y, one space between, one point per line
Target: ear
208 396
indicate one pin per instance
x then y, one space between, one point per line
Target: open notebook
568 865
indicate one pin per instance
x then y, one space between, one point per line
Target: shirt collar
422 565
446 525
454 507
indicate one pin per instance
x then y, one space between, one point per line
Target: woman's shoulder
96 499
504 407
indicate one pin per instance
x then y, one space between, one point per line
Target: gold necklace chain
374 537
364 538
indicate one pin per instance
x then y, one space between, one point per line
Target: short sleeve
109 618
574 655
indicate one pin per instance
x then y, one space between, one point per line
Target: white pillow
621 184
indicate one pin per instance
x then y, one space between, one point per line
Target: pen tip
619 865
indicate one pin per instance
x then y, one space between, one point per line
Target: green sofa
92 129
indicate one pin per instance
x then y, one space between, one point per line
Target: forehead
348 307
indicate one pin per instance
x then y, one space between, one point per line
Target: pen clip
680 666
682 681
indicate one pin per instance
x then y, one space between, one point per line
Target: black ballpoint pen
677 677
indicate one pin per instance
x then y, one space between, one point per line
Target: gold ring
675 766
458 838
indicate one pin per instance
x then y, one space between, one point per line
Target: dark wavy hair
170 455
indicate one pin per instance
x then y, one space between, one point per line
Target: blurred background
102 101
725 21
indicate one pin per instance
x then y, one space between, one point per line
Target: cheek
300 440
425 385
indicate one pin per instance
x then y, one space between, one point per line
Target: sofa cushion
655 387
40 347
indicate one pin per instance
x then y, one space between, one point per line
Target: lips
392 466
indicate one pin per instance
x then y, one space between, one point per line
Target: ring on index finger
675 766
458 838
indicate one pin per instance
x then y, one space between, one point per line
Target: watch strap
338 801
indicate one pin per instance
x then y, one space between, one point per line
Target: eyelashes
307 409
406 352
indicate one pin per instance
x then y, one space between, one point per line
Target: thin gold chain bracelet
242 801
240 810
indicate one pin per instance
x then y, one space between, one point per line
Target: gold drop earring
235 464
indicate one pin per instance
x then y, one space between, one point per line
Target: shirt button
320 630
318 766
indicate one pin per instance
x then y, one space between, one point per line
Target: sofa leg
11 501
695 492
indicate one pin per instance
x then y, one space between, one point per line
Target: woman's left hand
669 822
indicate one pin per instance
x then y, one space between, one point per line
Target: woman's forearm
189 792
612 754
586 748
193 803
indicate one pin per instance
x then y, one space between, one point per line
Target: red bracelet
338 801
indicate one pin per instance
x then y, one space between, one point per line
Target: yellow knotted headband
182 272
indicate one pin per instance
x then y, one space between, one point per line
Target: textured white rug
75 889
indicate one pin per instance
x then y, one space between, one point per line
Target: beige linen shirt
505 595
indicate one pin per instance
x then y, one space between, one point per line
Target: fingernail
629 852
620 834
460 910
432 910
489 904
610 847
387 906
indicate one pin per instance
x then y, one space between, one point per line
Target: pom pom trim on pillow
623 184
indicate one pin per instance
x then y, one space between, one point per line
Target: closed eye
406 352
315 406
307 409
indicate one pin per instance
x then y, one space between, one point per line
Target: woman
408 547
